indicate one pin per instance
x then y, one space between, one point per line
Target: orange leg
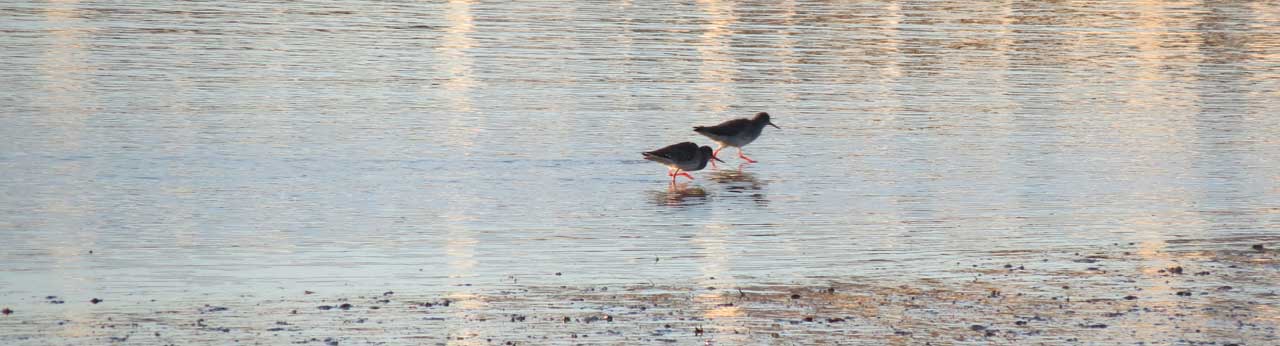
715 154
678 173
744 157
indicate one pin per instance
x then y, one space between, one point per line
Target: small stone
977 328
6 311
95 300
387 293
1130 297
557 273
324 307
795 296
1184 293
1225 288
1176 270
210 309
345 306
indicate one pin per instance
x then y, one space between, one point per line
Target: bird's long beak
713 157
774 126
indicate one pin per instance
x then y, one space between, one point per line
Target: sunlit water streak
226 148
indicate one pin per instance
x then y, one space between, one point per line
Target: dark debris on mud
1139 296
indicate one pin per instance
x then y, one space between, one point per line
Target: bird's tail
649 155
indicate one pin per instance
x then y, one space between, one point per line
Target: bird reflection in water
680 195
741 183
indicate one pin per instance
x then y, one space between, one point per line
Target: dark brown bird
682 157
736 133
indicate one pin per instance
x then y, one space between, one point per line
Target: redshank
682 157
736 133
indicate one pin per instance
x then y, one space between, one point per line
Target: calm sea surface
193 149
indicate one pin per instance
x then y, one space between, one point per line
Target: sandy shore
1114 296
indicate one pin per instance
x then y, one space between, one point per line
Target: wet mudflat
946 172
1222 297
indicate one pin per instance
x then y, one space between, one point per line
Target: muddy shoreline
1207 297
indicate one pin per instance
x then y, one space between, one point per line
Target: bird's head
706 150
764 117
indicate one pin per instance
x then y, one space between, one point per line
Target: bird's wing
728 128
678 152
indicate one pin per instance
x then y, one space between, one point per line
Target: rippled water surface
196 149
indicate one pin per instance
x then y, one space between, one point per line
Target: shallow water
208 150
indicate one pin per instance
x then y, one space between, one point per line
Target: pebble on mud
1175 270
6 311
1259 247
208 309
95 300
